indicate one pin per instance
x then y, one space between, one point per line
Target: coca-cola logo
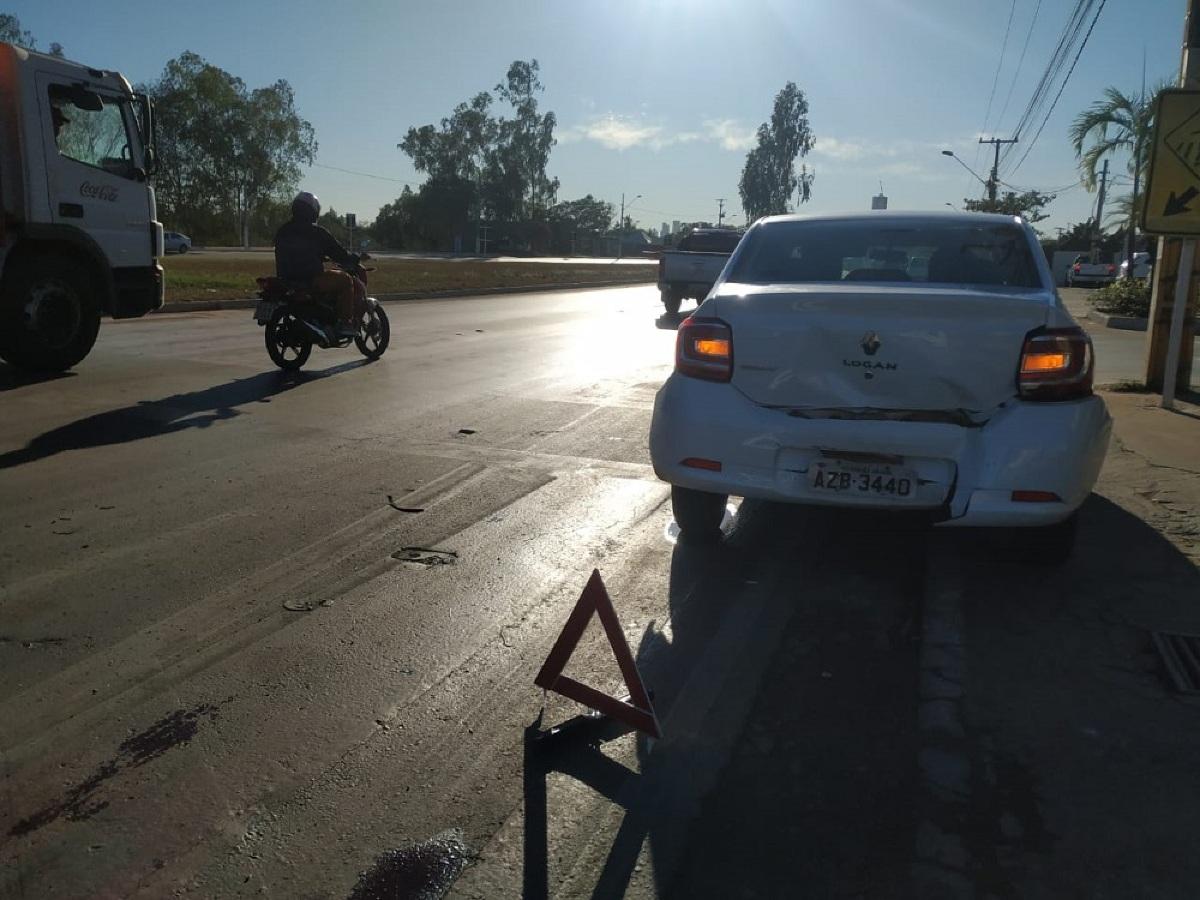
98 192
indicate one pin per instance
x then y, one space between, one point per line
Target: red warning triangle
639 711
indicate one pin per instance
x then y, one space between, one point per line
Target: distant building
675 226
879 201
663 233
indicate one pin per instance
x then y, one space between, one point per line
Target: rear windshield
711 242
927 252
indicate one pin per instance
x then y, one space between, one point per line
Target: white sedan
825 368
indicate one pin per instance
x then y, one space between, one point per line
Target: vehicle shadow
12 378
179 412
1087 739
669 321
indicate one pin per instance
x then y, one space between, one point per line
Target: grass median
202 276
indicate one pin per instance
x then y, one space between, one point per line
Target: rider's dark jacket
301 249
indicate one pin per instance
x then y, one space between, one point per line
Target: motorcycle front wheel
287 342
374 332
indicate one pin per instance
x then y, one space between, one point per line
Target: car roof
897 216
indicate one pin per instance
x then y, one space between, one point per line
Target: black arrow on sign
1176 205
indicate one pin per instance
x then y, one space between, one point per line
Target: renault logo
871 343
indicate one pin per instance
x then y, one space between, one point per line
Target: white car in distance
824 368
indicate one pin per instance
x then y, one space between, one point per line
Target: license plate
862 480
264 310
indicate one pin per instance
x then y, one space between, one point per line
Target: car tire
1047 545
698 513
671 301
58 337
183 248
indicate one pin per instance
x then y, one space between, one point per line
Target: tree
769 177
1028 205
11 32
1118 123
501 162
586 217
515 182
224 150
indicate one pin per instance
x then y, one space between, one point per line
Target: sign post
351 221
1172 209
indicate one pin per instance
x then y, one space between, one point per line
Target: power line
364 174
1020 61
1058 58
999 65
1062 87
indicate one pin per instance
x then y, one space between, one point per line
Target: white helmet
308 200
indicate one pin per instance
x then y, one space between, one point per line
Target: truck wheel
671 301
698 513
49 315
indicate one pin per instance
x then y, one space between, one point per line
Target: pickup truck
1085 274
694 266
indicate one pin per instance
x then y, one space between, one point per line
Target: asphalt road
260 633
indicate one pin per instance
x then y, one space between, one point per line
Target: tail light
704 349
1056 364
1112 270
1076 268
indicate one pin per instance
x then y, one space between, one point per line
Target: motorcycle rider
301 248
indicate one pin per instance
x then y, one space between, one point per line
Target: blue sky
655 97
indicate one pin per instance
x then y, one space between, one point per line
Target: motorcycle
296 319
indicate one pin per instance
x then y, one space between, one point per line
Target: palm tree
1118 123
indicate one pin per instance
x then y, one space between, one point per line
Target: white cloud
836 149
624 132
730 134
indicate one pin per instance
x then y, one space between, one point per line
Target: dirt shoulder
216 276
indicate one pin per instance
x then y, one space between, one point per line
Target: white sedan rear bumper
967 474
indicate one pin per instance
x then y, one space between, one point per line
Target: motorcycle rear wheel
288 346
374 332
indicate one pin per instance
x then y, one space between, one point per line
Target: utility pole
995 179
621 226
1169 333
720 211
1099 213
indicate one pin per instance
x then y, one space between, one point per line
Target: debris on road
425 558
423 871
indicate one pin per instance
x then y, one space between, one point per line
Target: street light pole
621 225
950 153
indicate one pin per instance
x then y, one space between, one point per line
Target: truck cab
79 235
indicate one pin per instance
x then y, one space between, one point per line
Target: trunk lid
884 348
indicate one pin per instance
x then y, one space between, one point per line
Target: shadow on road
796 779
179 412
12 378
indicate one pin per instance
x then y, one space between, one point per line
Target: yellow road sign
1173 186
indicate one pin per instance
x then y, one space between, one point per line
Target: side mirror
150 160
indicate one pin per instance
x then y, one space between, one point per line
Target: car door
92 180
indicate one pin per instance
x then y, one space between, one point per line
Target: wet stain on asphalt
81 803
423 871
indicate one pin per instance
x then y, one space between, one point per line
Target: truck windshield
933 252
95 137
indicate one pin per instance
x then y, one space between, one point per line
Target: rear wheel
49 315
374 332
1047 545
672 301
183 248
287 342
698 513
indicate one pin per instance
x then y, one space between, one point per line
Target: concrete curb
943 865
1123 323
212 305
